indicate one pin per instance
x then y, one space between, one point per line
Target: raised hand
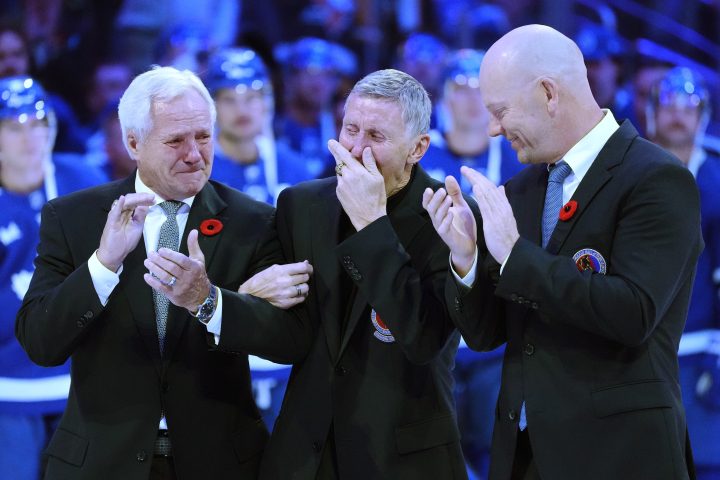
181 278
454 221
361 187
499 225
123 228
282 285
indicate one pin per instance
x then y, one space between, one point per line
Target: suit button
529 349
316 447
89 314
458 304
356 276
346 260
513 297
512 415
534 305
141 456
341 371
80 323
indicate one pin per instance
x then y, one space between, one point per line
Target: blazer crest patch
382 332
589 259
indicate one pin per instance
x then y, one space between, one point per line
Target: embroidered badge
589 259
382 332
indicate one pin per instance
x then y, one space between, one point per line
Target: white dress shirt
105 280
580 158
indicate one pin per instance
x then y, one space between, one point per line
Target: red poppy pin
210 227
568 210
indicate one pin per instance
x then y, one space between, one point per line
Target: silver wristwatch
206 309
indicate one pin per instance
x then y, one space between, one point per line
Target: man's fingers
294 268
453 189
194 247
433 200
340 153
476 178
369 160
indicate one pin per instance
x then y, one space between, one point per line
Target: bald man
591 253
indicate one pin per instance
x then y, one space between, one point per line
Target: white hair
160 84
399 87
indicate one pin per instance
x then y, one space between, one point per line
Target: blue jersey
24 386
309 143
498 163
704 312
264 179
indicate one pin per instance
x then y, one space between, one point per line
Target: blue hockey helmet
237 68
463 67
22 98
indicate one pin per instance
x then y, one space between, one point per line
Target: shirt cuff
215 323
103 279
469 279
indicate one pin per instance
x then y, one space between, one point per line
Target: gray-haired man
373 397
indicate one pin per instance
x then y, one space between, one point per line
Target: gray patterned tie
553 199
169 238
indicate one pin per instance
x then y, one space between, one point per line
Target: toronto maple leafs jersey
24 386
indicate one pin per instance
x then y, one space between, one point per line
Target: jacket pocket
250 441
68 447
630 397
432 432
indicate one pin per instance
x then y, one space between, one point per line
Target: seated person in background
246 154
31 398
677 115
462 138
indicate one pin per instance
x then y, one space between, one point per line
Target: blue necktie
169 238
553 203
553 199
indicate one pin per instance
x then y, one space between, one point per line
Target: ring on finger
298 291
338 169
172 281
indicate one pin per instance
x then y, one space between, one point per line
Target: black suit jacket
390 404
594 355
120 383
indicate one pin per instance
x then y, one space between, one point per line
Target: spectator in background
246 154
678 113
647 74
422 56
603 51
31 398
314 68
110 79
15 61
118 162
466 142
463 140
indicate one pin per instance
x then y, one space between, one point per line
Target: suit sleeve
406 288
654 252
60 306
252 325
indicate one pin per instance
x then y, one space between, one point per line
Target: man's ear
422 143
550 92
133 144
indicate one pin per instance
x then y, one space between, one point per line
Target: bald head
538 73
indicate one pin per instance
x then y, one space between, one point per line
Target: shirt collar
581 156
140 187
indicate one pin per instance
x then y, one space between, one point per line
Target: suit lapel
598 175
207 205
326 214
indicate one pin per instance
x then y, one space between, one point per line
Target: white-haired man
151 396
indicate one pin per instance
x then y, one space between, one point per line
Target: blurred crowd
279 73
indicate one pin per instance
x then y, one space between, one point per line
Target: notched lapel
598 175
326 212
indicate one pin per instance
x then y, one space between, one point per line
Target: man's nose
357 147
494 127
193 153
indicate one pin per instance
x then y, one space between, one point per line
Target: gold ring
338 169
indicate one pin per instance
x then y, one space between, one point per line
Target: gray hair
160 84
397 86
